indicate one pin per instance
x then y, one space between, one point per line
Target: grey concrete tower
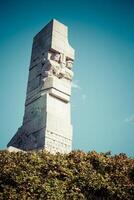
47 119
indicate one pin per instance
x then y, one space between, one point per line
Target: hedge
77 175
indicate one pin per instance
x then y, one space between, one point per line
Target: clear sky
102 34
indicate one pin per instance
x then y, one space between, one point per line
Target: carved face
56 57
69 64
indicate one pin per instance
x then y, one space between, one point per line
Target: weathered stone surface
47 121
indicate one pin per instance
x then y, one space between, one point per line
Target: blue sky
102 34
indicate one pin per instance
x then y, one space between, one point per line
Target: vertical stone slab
47 118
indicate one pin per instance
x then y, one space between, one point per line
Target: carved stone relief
56 65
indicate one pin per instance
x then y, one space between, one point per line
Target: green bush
77 175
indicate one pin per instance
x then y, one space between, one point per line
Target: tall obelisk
47 117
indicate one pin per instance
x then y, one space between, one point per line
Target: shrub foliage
77 175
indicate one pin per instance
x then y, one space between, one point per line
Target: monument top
56 26
54 37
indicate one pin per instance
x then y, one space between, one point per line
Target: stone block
54 82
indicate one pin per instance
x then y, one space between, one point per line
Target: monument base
46 123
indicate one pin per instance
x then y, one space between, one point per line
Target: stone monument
47 118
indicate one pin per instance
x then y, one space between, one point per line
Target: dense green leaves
77 175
